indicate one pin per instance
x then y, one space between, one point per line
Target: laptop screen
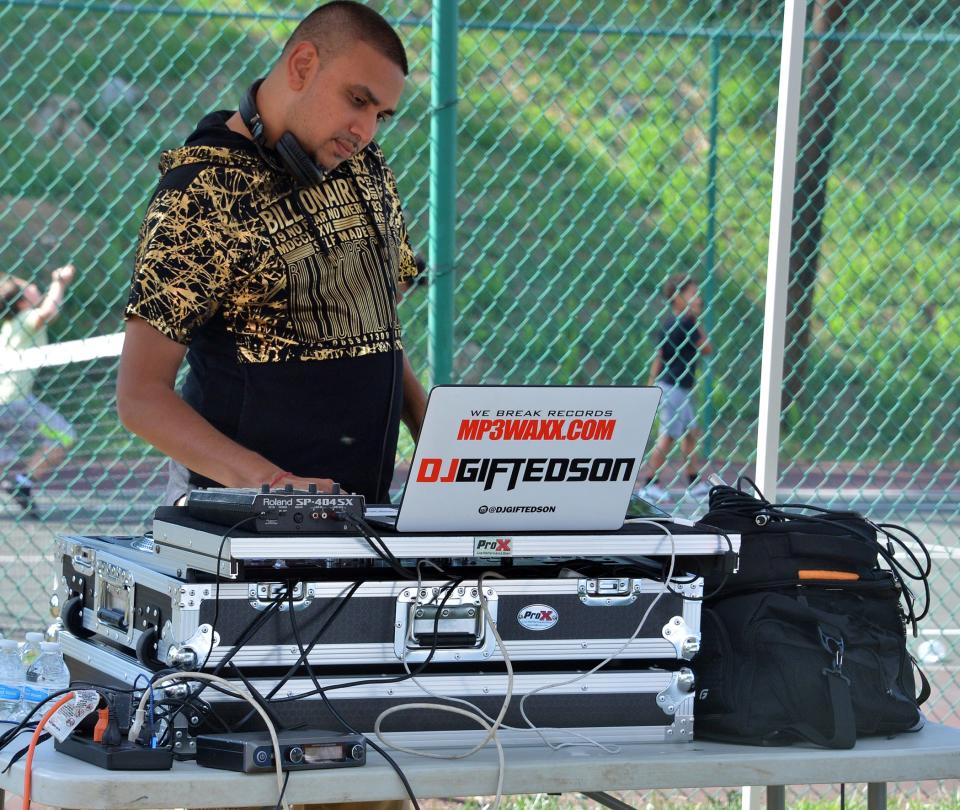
527 458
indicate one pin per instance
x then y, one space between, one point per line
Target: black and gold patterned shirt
294 273
282 294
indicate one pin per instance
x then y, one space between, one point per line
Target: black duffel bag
807 641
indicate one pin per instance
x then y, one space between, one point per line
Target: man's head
683 294
340 74
17 295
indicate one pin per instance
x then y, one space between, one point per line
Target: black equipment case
611 706
254 608
108 592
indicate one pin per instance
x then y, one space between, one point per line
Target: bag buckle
835 647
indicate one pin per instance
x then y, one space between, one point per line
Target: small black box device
252 751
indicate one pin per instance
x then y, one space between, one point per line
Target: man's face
690 301
336 106
30 296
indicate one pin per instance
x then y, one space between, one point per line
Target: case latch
455 626
113 602
607 592
261 595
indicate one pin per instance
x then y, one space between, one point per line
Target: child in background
681 342
24 315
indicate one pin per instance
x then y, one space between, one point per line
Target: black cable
340 718
375 541
251 629
255 694
316 639
216 598
396 679
736 502
726 574
304 656
383 242
282 791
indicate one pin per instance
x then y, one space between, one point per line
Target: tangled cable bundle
743 507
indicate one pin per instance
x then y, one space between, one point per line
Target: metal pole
443 189
781 215
709 286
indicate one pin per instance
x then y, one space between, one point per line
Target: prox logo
537 617
497 545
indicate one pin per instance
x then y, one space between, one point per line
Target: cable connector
731 562
139 718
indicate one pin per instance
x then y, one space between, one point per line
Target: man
682 341
270 256
24 420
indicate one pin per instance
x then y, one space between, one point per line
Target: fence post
709 287
443 189
778 255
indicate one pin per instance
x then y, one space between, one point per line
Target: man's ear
300 63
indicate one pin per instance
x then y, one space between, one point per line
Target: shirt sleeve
407 266
182 267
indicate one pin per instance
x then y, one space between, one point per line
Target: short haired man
270 256
681 341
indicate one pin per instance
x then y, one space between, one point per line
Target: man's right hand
64 274
324 485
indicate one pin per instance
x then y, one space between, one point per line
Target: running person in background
25 313
681 341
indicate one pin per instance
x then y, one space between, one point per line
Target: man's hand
64 274
324 485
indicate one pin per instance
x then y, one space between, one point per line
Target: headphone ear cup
297 161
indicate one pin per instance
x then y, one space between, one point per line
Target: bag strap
924 683
841 702
841 707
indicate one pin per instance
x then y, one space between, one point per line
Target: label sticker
538 617
64 720
492 546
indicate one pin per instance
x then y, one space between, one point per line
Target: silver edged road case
609 706
182 543
109 592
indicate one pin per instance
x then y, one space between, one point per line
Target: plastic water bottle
30 651
11 680
46 675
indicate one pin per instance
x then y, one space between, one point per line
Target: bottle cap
49 646
38 637
8 644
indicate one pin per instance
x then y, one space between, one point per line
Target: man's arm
655 369
414 400
149 406
703 345
49 307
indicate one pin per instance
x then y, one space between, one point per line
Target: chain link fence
602 147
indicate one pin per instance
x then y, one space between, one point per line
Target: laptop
527 458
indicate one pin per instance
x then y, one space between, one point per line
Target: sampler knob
312 489
264 489
288 488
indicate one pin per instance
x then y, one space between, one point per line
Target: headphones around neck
293 156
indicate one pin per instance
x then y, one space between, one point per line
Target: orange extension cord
33 745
